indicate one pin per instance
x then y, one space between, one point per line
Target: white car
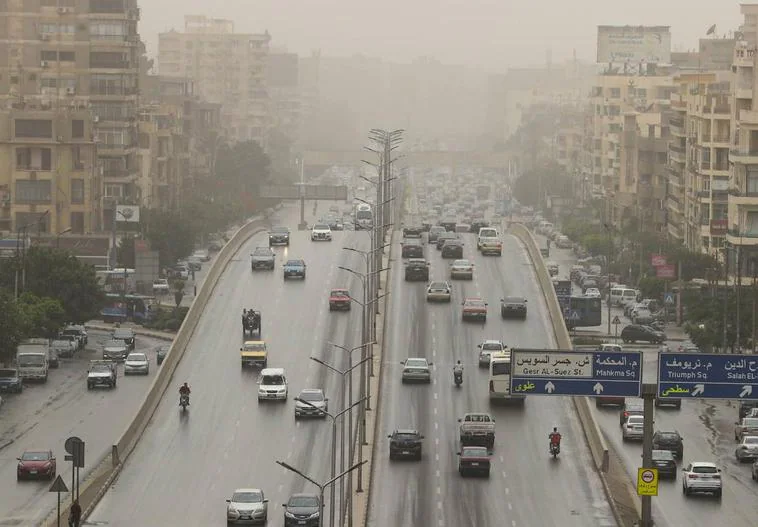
633 428
321 232
747 450
438 292
487 348
247 506
273 385
202 255
311 403
592 292
702 476
462 269
136 363
160 286
417 369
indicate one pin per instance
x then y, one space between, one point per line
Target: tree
240 169
58 275
41 317
11 327
169 234
548 177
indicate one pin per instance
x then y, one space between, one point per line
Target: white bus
500 379
364 217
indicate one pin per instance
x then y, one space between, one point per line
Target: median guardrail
97 481
621 494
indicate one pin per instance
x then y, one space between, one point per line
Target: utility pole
738 295
726 295
649 391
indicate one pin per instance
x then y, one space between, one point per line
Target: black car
746 407
668 401
416 269
434 233
443 237
630 407
263 258
670 441
302 510
449 224
513 307
279 236
412 249
452 249
635 332
127 335
664 461
405 443
334 223
412 232
478 224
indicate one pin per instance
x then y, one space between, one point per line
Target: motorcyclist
184 389
458 370
555 438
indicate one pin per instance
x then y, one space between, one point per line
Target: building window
615 93
614 110
112 137
33 191
67 56
107 30
76 158
107 6
77 223
109 84
77 191
144 140
114 191
107 59
29 158
35 222
51 29
77 129
113 111
751 225
752 183
48 55
34 128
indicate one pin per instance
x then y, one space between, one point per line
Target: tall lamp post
334 418
608 271
58 237
321 486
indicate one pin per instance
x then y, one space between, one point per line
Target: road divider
99 479
619 490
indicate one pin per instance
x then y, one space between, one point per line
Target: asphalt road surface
44 415
526 487
186 465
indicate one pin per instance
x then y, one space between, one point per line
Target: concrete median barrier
98 480
621 493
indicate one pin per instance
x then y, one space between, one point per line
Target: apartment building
228 68
68 91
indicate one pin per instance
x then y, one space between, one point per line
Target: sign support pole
649 391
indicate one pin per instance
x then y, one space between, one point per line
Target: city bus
500 379
120 308
588 310
364 217
112 281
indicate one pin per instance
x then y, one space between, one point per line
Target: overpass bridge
422 159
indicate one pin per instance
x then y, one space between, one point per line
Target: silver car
438 292
247 506
747 450
417 370
311 403
486 349
115 349
633 428
462 269
136 363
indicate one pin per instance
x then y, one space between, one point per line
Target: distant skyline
483 33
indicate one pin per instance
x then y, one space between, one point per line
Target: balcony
735 237
744 56
676 154
110 64
737 198
743 91
745 156
749 117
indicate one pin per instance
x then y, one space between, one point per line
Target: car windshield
115 344
123 334
61 344
405 436
272 380
494 346
339 292
262 251
303 501
416 363
751 440
513 300
751 422
663 455
35 456
279 230
311 396
475 452
668 436
31 360
321 227
636 420
247 497
475 303
438 286
462 263
136 357
254 346
704 469
100 368
295 263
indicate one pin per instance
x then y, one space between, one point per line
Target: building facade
227 68
68 90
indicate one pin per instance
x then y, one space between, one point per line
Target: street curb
7 443
137 331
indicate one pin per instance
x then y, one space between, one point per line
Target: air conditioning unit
44 64
70 91
95 119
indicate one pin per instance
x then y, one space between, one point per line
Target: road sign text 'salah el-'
591 374
707 376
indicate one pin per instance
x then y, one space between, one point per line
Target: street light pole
58 237
321 486
334 418
608 272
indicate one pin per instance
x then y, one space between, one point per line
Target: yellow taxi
254 353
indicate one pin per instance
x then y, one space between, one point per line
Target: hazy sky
491 33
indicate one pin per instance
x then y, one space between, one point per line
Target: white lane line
507 490
436 457
502 461
439 490
510 507
513 523
437 442
439 505
435 411
437 473
435 396
436 426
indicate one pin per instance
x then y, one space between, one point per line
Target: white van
620 296
273 385
500 379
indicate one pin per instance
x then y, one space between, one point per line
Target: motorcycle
458 377
555 449
184 401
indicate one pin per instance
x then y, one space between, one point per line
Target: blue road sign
591 374
668 298
707 376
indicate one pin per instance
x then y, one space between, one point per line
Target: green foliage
705 318
652 287
57 275
170 235
41 317
11 327
549 177
167 319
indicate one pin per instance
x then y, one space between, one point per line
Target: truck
364 217
101 373
477 429
32 359
489 242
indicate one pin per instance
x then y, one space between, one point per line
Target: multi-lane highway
44 415
186 465
526 487
708 431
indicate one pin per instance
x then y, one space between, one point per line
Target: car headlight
314 515
288 514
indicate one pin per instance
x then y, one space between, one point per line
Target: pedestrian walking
75 514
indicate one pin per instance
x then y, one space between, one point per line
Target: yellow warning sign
647 481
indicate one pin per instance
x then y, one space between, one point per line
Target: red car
339 299
36 464
474 308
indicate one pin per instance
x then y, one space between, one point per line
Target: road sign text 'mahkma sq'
591 374
707 376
